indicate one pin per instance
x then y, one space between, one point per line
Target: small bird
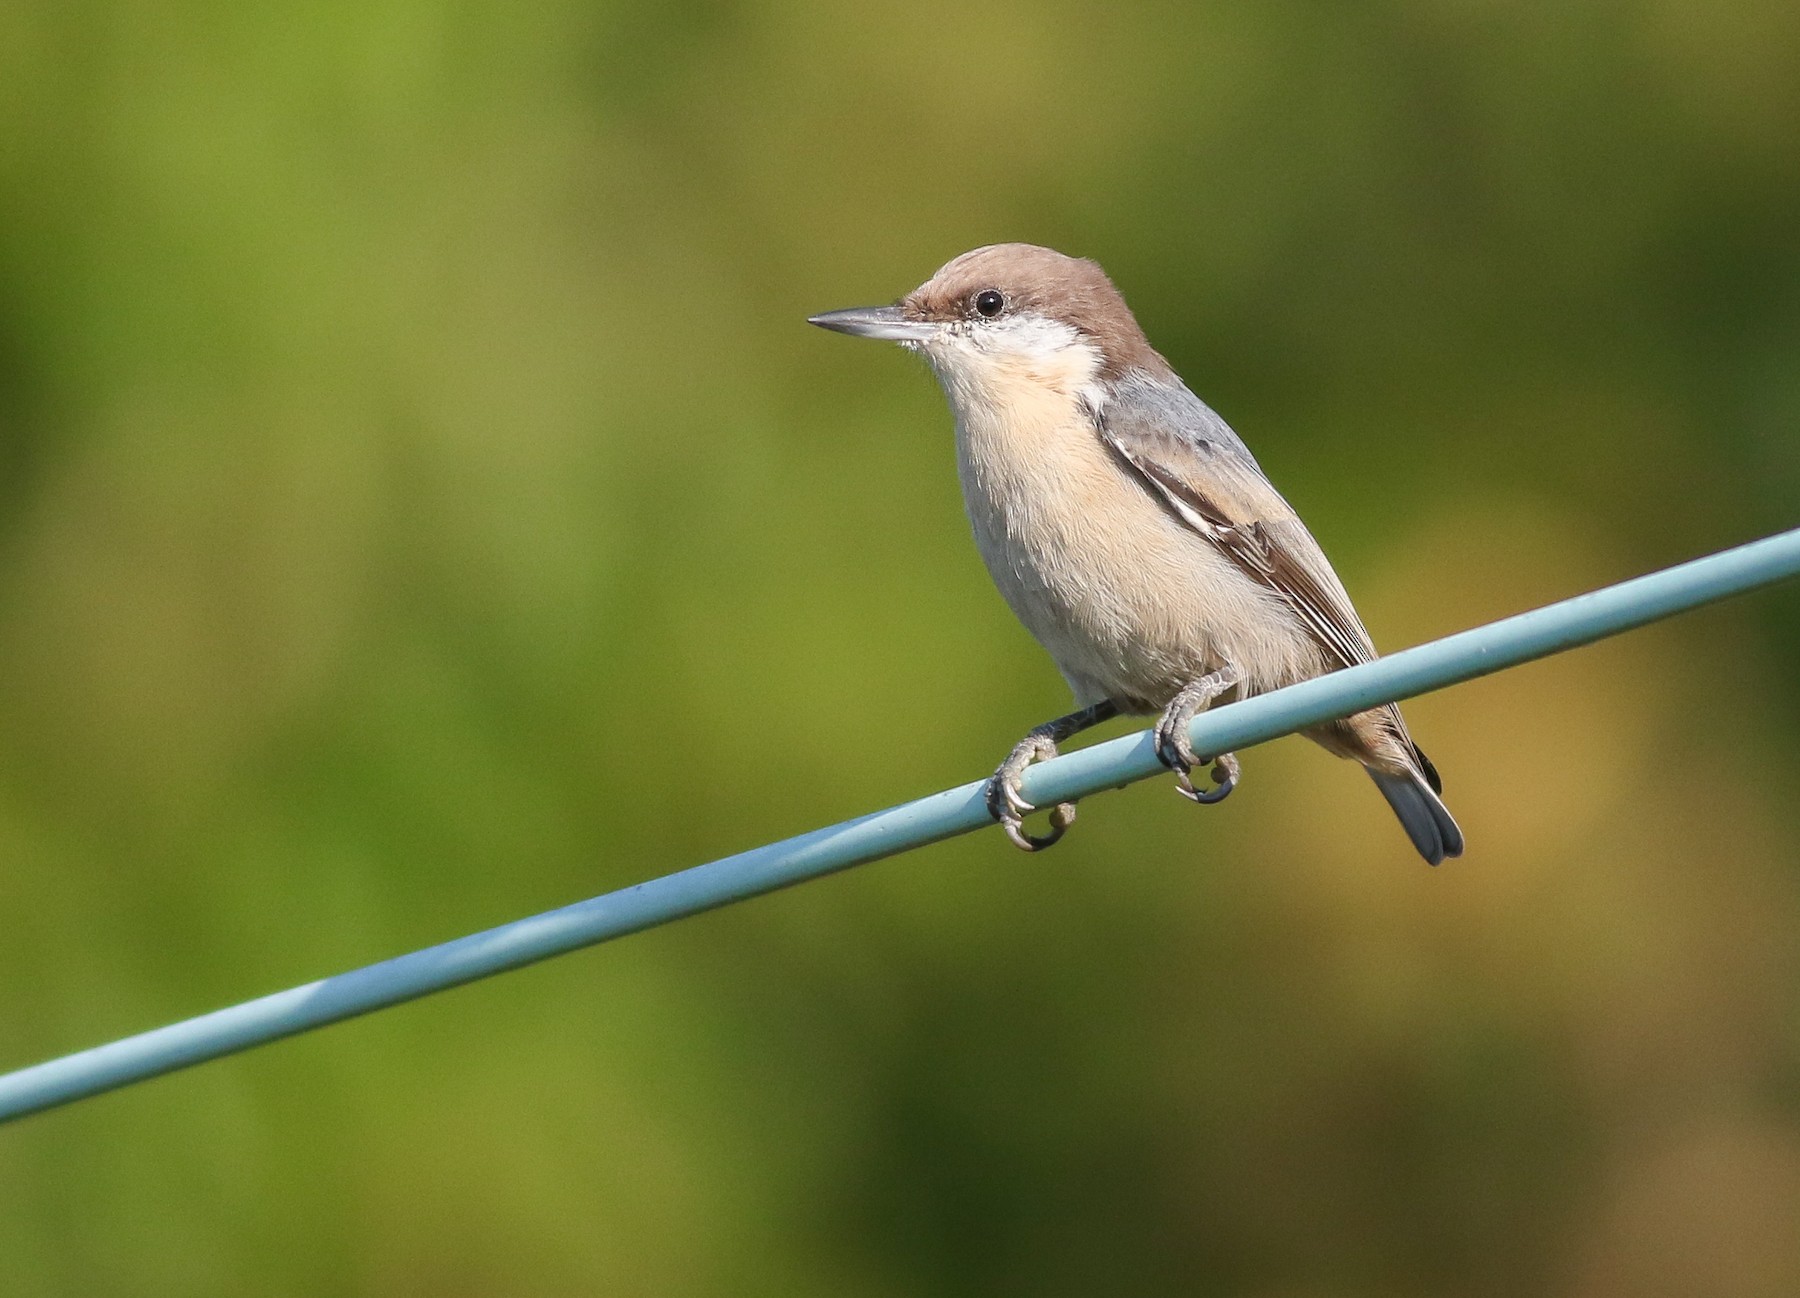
1131 530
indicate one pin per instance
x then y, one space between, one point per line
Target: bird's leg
1006 802
1173 748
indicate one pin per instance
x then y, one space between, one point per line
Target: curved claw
1175 751
1007 804
1015 800
1224 777
1061 817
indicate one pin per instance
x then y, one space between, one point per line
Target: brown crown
1072 290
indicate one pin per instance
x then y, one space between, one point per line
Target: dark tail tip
1422 814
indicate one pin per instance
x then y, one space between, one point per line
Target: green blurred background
422 503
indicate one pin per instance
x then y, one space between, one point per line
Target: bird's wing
1191 460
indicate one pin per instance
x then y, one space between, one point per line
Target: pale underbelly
1133 606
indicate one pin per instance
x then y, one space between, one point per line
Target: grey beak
887 322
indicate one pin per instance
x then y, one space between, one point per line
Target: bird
1131 531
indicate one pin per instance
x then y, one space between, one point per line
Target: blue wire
1460 657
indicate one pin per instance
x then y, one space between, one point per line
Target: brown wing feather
1238 511
1207 480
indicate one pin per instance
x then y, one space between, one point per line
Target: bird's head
1012 314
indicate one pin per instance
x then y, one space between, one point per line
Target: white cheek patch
1003 360
1028 338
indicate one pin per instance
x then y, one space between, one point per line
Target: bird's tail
1413 794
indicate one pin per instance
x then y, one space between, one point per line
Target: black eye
990 302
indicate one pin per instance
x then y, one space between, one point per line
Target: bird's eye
989 303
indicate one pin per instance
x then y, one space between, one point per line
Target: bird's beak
886 322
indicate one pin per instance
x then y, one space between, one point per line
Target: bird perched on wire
1131 530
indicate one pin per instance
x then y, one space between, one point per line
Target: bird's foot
1007 804
1175 751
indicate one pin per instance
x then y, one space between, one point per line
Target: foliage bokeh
421 504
